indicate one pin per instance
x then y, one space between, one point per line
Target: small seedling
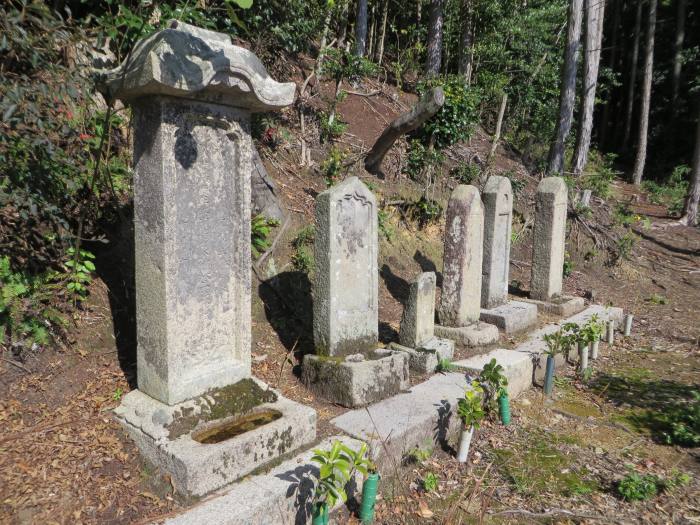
657 299
445 365
430 482
494 383
117 394
420 454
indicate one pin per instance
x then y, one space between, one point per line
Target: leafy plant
424 211
383 223
422 158
561 341
568 266
331 129
656 298
420 454
493 382
445 365
672 194
260 228
430 482
337 466
592 330
465 172
470 408
80 271
682 423
333 166
303 258
625 244
599 175
634 487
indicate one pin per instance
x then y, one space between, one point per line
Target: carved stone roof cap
189 62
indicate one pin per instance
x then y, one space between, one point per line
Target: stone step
517 368
416 418
281 495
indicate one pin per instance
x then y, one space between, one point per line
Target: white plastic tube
465 441
628 324
610 335
583 357
594 349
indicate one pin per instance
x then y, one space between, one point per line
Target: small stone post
549 239
498 215
345 290
418 321
192 93
461 289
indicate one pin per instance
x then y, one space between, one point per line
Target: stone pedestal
459 308
564 305
349 369
192 93
511 317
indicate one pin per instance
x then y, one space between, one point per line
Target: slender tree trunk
614 32
499 124
372 30
633 76
433 57
690 213
419 11
464 67
382 33
324 39
595 11
555 164
641 156
343 24
361 28
677 55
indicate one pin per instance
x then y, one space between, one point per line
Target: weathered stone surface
424 360
282 495
418 319
264 198
564 305
461 288
190 62
536 346
346 283
549 239
421 417
511 317
475 334
517 367
498 215
357 383
197 468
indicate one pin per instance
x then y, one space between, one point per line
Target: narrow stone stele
460 301
509 316
192 93
346 305
417 332
548 250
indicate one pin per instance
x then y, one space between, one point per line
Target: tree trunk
361 28
382 33
372 30
614 33
499 124
419 11
677 55
641 156
324 40
433 57
633 76
343 24
428 105
690 213
555 164
595 10
464 67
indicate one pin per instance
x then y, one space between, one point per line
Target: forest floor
63 459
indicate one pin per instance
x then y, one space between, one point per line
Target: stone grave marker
192 93
548 249
348 368
509 316
460 301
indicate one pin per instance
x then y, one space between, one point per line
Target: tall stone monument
509 316
417 331
460 302
192 93
349 369
548 249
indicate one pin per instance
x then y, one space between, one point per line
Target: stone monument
509 316
460 302
192 93
348 368
417 332
548 249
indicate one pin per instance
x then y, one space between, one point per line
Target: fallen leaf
424 511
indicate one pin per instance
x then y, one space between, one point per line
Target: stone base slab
536 347
565 305
517 367
282 495
198 468
424 416
511 317
353 383
424 360
476 334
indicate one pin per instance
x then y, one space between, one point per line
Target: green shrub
303 257
672 194
599 180
333 165
421 158
634 487
466 172
260 228
457 118
425 211
430 482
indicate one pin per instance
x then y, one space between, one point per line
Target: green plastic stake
369 497
320 514
504 405
549 376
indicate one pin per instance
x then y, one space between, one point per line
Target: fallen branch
430 104
18 365
549 514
